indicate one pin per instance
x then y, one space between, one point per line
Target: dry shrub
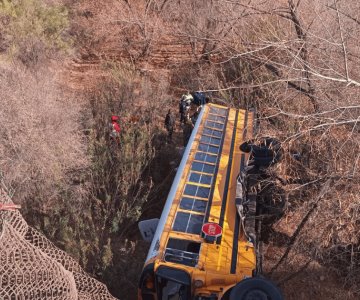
120 175
42 150
138 105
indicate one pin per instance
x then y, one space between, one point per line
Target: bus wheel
255 289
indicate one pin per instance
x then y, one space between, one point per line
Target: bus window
193 204
172 284
197 190
182 252
190 223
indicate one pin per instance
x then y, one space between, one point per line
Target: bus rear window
182 252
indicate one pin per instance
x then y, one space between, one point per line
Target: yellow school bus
200 248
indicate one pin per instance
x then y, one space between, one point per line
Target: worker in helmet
188 98
115 129
184 106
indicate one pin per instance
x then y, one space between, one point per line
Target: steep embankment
291 77
114 33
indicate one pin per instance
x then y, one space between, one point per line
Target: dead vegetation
295 62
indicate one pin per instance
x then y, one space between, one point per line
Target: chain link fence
31 267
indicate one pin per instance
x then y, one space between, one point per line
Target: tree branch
342 41
324 190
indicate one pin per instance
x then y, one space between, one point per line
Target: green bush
31 29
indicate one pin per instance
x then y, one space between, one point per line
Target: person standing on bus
199 98
169 125
263 154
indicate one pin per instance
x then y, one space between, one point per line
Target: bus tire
255 289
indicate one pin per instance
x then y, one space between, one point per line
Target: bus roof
203 191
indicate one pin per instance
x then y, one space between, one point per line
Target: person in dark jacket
264 154
182 110
169 125
199 98
187 129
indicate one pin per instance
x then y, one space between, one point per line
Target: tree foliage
31 29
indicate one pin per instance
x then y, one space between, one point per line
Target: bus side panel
155 244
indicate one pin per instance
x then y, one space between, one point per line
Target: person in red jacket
115 129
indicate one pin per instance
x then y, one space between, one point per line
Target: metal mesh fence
31 267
